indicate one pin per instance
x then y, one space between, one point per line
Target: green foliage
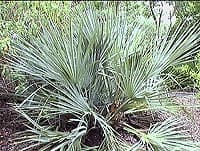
134 9
163 136
25 17
188 9
97 62
192 72
4 45
188 75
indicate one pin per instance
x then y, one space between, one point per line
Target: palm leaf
169 135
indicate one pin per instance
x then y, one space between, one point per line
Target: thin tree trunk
152 12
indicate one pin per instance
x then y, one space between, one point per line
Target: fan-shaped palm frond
168 135
83 71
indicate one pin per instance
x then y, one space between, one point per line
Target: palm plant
89 76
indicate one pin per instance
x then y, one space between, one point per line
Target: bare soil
11 122
191 113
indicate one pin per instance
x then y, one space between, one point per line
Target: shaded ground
191 116
10 122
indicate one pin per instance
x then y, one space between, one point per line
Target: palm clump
90 76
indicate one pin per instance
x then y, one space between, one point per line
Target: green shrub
25 18
191 72
92 74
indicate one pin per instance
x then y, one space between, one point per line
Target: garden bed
11 122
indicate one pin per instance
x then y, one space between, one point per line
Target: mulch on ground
191 115
11 122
